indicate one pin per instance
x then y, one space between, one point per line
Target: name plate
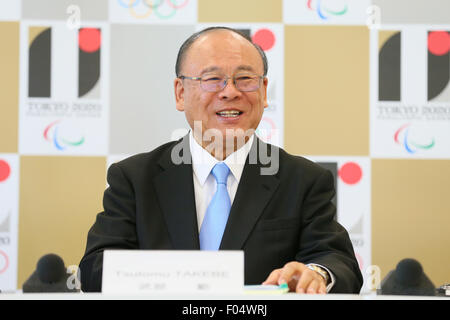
172 271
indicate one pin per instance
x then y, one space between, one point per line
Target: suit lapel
253 194
175 189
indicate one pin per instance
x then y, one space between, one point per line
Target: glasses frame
225 82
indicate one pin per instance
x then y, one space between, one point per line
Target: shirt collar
203 161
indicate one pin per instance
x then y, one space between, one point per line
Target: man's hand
299 278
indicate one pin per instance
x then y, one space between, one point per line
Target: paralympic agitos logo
404 136
56 134
40 62
323 11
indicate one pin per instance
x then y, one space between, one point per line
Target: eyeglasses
246 82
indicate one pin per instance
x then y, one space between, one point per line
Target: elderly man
209 191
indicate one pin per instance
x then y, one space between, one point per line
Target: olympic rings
179 6
163 9
134 14
153 6
136 2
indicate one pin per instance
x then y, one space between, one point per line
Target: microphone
408 278
50 276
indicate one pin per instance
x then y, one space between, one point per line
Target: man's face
225 53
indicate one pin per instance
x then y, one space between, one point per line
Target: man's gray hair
189 41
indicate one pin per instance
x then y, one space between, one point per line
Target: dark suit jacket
274 219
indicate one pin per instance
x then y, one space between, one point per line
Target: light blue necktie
216 215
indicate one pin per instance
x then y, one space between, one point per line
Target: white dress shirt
205 183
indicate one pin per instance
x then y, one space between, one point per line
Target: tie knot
220 172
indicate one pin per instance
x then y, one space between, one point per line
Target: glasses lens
243 82
247 82
212 83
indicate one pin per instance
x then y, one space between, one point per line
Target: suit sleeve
114 228
324 241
